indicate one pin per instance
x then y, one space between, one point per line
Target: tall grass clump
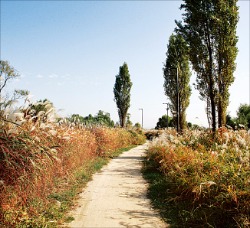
39 158
111 139
209 176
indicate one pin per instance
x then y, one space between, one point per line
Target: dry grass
210 174
39 159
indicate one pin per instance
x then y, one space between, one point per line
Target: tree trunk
182 121
212 87
220 113
224 116
213 108
123 120
212 100
209 118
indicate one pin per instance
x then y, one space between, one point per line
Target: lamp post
167 111
177 100
141 117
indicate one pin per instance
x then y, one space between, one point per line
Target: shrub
212 174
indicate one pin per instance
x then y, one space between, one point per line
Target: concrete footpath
116 197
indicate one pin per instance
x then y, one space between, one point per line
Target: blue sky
70 52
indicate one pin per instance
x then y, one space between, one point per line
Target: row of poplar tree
207 39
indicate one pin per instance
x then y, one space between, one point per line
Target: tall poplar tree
210 30
121 90
226 13
177 61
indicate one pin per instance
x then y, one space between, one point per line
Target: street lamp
141 117
177 99
167 111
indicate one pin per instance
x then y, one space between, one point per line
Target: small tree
101 118
243 115
177 61
137 125
129 123
121 90
43 111
164 121
230 121
8 73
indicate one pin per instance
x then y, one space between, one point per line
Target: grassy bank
201 181
44 166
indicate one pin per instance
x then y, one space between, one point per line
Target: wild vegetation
204 181
39 160
198 178
45 160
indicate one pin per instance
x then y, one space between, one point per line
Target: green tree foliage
121 91
7 73
20 93
210 30
76 118
17 95
129 123
226 52
137 125
177 59
243 115
43 111
230 121
101 118
164 122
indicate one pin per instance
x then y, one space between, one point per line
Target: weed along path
116 197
